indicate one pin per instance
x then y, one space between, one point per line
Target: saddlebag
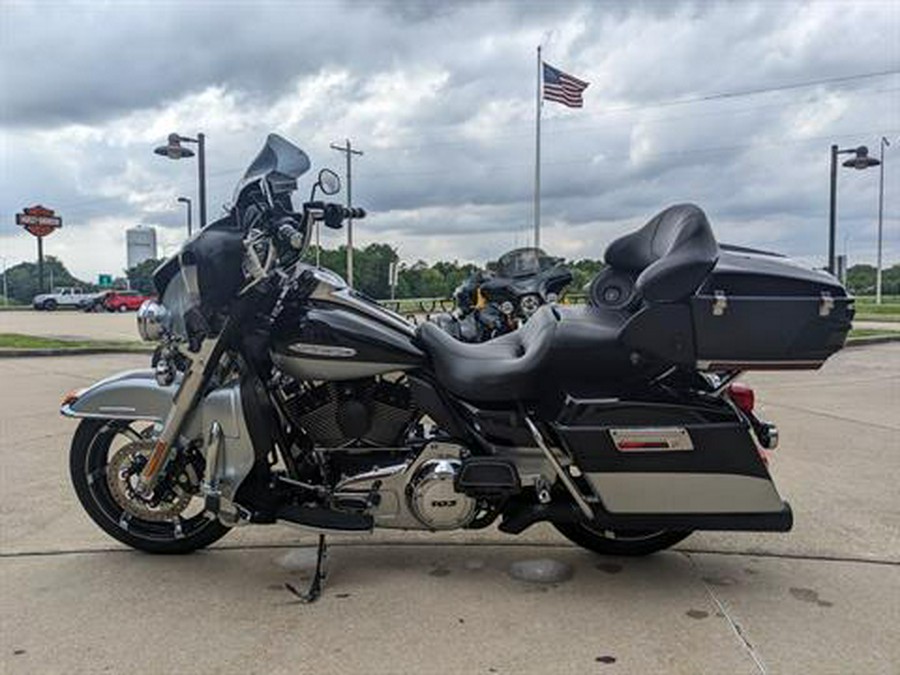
675 465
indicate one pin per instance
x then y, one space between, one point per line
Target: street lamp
187 202
860 161
175 150
884 143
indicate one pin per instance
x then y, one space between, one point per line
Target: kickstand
318 580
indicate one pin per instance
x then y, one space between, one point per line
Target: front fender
131 395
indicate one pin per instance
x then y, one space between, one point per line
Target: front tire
620 543
92 447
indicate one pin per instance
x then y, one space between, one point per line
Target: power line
761 90
569 128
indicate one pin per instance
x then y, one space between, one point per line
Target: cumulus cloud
440 97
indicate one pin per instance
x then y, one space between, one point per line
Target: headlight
152 320
530 304
507 307
552 297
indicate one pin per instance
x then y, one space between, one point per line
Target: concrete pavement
824 598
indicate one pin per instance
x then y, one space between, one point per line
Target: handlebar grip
355 212
288 231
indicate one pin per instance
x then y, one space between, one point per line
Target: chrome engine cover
417 494
435 501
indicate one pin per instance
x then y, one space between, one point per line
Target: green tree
140 277
22 279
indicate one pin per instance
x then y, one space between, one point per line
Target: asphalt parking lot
824 598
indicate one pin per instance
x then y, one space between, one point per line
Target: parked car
74 297
125 301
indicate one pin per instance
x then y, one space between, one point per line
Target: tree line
370 271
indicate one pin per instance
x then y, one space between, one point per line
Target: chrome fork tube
183 404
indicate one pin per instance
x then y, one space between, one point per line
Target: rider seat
555 344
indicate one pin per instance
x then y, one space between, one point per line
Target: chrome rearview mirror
329 182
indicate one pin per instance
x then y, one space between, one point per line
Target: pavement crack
449 544
732 621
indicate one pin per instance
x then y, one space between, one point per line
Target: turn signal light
71 397
742 396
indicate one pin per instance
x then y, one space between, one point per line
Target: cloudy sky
441 98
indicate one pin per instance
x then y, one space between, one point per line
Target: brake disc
121 477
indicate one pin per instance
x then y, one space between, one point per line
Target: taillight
742 396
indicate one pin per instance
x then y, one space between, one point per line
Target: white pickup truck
74 297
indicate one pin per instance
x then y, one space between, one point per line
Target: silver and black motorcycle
279 395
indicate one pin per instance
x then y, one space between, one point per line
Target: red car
125 301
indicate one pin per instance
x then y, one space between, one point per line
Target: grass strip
20 341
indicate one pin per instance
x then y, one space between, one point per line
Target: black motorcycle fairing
217 251
670 255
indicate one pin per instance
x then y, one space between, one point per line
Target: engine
373 412
418 493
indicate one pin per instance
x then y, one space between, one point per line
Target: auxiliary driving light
152 321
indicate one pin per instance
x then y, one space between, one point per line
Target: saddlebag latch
826 304
720 303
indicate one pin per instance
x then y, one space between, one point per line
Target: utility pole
537 154
348 150
884 143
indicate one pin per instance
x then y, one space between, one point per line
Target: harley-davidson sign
39 220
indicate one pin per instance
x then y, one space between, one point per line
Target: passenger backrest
670 255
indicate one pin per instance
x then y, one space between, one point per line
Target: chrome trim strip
786 364
651 439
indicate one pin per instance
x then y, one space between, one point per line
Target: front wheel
104 461
619 542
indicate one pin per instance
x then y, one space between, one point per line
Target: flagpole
537 156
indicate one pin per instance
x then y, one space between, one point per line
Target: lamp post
187 202
175 150
884 144
860 161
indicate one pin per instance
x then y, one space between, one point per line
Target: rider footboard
691 466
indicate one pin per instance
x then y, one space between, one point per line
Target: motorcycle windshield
521 262
280 162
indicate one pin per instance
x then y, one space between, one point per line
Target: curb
873 340
70 351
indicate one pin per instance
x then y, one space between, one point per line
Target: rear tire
622 543
88 468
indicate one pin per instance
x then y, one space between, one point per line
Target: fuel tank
328 341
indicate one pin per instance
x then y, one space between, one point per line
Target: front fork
202 363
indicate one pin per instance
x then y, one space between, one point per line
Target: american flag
562 87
